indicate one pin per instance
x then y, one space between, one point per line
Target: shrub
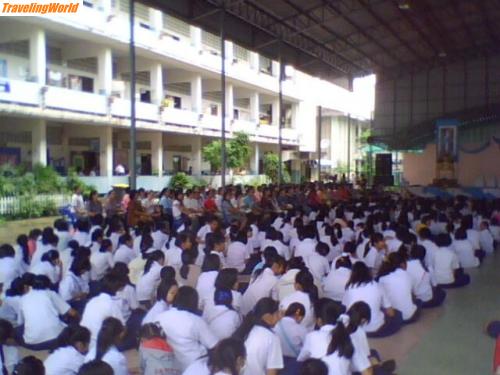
180 181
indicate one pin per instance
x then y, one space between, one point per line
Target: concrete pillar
196 94
254 61
156 20
105 71
157 154
229 51
38 59
39 143
255 107
254 163
295 114
65 146
106 151
229 101
156 77
196 159
275 68
276 112
195 34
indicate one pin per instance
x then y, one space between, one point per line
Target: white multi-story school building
64 97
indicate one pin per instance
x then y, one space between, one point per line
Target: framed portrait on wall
447 142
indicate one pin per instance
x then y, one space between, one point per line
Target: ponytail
109 333
341 341
358 313
72 335
22 241
155 256
265 306
306 281
188 258
225 356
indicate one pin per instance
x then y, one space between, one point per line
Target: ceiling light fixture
404 4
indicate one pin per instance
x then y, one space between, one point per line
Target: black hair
188 257
360 275
296 263
22 241
105 245
425 233
111 284
95 368
375 237
164 288
6 331
167 273
313 366
295 308
80 265
223 297
97 234
341 341
226 278
186 299
344 262
306 280
264 306
211 263
34 234
461 234
97 220
358 312
225 356
29 365
181 238
73 334
41 282
350 248
327 310
109 334
124 238
7 251
155 256
150 331
322 249
443 240
61 225
50 256
16 287
418 252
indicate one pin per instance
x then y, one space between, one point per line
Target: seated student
61 230
165 295
463 248
97 237
189 272
263 346
136 266
206 281
239 250
173 253
221 317
160 235
48 242
22 254
110 334
69 254
95 368
313 366
335 248
316 342
273 239
292 335
286 283
187 333
374 252
29 365
216 244
9 354
486 239
40 301
10 304
264 284
385 320
425 239
102 306
334 283
101 261
268 254
306 294
72 347
82 232
318 263
150 279
9 267
124 253
397 286
422 284
446 266
156 355
74 287
340 350
227 279
305 247
50 266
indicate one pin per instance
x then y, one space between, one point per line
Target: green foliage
238 152
47 180
271 168
73 181
180 181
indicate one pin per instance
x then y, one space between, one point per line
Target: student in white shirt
239 250
173 253
463 249
220 315
423 286
286 283
430 247
486 240
150 279
334 283
313 366
40 334
110 334
264 354
48 242
206 280
340 350
374 252
292 335
9 268
73 345
96 240
74 288
125 252
160 235
446 266
22 254
62 232
384 321
8 347
264 284
165 295
333 243
306 294
49 266
82 232
397 285
216 244
318 263
227 358
187 333
101 261
307 243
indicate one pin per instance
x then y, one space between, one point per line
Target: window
214 109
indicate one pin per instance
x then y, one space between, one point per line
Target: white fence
13 205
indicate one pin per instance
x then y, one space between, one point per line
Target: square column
195 34
276 112
255 107
196 94
229 51
275 68
196 155
229 101
254 61
106 151
38 59
156 20
39 143
65 146
105 71
156 76
107 7
157 154
254 163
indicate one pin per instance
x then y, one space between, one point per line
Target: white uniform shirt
155 311
64 361
398 288
176 209
237 254
82 238
71 286
205 285
47 269
465 253
420 279
305 248
302 298
11 355
128 299
263 286
373 294
430 249
9 270
337 365
263 351
360 360
334 284
188 334
486 241
292 336
124 254
159 239
99 308
316 343
445 262
221 320
148 283
39 311
100 264
113 357
474 238
318 266
173 256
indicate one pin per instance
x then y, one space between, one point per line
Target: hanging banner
447 137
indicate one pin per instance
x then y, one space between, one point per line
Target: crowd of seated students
290 280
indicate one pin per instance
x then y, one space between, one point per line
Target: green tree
271 166
237 152
213 154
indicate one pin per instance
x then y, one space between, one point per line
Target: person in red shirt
210 205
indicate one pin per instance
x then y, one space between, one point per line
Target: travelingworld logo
39 7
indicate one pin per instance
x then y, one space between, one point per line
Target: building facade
65 89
